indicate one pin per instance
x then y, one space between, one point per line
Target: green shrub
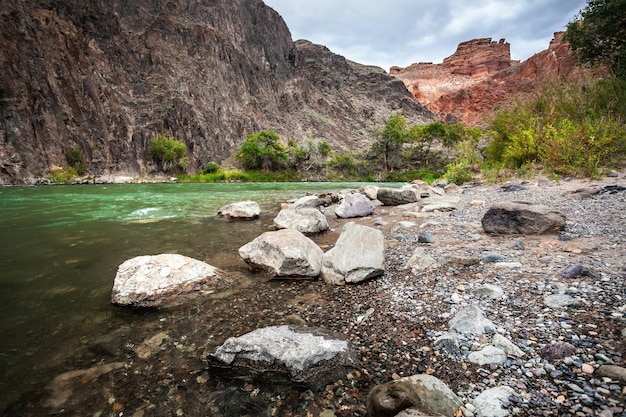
63 175
574 129
211 168
458 173
75 159
262 151
323 148
168 153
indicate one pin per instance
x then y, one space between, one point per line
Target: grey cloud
400 32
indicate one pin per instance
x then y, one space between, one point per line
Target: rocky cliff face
481 77
107 76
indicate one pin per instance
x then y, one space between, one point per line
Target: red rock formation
480 77
479 58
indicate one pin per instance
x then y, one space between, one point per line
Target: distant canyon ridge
480 77
107 76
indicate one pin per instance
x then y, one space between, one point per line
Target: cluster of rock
315 357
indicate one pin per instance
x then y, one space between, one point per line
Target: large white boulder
358 255
305 220
284 253
153 281
354 205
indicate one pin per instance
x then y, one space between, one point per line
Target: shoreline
410 310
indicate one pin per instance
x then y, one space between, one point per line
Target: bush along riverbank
491 319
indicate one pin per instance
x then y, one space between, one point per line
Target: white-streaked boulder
156 280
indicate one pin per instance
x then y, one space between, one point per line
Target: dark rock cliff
107 76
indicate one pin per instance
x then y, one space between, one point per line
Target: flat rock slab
310 356
519 217
243 210
284 253
158 280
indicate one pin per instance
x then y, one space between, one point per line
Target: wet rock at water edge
357 256
370 191
308 201
284 253
519 217
309 356
304 220
354 205
158 280
421 393
243 210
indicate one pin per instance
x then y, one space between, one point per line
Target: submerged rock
153 281
243 210
309 356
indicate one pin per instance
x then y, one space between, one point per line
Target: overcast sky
402 32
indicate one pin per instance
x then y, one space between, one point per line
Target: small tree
598 35
296 155
262 151
168 152
388 146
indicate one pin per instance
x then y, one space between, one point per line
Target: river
60 247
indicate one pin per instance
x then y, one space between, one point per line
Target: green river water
60 247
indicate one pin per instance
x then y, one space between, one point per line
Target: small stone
558 350
559 300
586 368
572 271
492 257
425 237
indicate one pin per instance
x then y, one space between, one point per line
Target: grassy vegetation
239 176
567 129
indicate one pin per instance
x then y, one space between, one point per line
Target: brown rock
616 373
557 350
513 217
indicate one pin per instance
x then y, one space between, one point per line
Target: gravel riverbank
394 321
